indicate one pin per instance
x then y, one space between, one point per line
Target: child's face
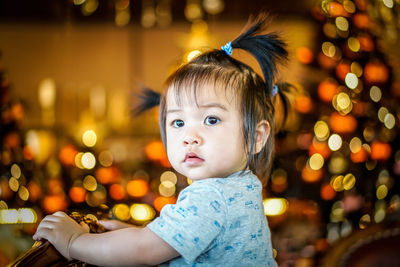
205 140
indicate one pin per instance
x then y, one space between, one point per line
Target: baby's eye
178 123
211 120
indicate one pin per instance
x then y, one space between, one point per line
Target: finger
85 227
60 214
108 224
46 224
50 219
43 233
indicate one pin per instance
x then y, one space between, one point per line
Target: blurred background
70 73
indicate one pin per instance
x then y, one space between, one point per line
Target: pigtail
266 48
148 99
283 102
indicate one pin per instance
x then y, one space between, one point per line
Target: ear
262 132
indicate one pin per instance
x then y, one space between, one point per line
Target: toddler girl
217 123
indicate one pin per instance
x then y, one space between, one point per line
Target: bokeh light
23 193
89 138
160 202
142 212
117 192
88 160
106 158
304 55
15 171
327 192
193 54
279 180
381 191
389 121
375 93
351 80
316 161
380 150
335 142
14 216
275 206
311 176
121 212
354 44
349 180
77 194
137 188
321 130
90 183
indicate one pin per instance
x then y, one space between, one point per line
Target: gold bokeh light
89 138
275 206
321 130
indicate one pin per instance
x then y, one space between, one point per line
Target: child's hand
114 224
60 230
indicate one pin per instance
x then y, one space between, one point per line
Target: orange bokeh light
117 192
77 194
155 151
342 69
304 55
325 61
366 43
106 175
6 192
327 89
327 192
27 152
362 21
311 176
12 140
342 124
303 104
55 186
67 155
137 188
34 191
321 148
160 202
380 150
53 203
336 9
376 72
359 156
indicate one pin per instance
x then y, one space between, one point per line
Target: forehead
198 95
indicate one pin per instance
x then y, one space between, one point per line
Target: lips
192 159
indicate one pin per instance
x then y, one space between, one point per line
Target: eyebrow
208 105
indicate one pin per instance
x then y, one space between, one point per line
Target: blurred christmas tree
13 153
46 169
349 126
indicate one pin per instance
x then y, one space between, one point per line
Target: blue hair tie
275 90
227 48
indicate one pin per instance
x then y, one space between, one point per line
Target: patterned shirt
218 222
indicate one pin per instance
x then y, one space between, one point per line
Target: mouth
192 159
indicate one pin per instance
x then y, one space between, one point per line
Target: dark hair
255 96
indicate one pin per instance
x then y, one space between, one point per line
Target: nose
192 137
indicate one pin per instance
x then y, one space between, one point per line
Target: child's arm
112 225
129 246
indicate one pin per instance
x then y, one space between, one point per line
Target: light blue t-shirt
218 222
